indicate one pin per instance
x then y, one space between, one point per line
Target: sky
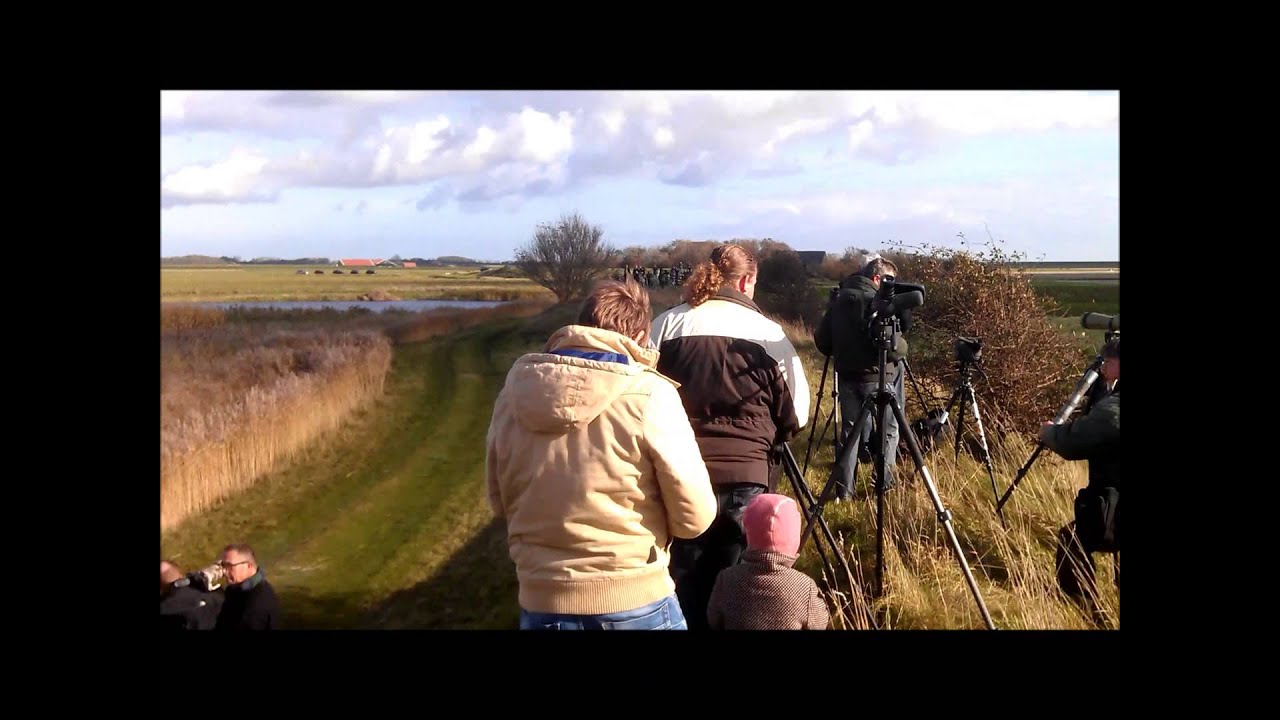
430 173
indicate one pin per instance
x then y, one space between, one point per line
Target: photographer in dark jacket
843 335
185 607
251 602
1094 437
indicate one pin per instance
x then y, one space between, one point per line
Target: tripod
885 330
1091 375
817 405
817 409
804 497
963 395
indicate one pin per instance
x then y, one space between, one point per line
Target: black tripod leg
946 418
797 481
959 425
944 516
849 453
1021 474
830 418
916 386
883 408
817 408
836 415
804 497
986 454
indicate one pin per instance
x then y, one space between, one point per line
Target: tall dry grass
1014 567
231 413
245 391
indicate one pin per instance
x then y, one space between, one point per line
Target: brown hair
728 263
881 267
622 307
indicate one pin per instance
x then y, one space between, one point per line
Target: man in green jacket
1096 438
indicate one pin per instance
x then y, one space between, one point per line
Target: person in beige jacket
592 462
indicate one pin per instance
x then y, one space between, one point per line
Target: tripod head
890 302
969 356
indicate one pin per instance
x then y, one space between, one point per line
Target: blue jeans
852 395
664 614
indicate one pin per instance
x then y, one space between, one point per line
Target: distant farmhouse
811 259
373 262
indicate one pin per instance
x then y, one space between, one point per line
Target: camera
207 579
968 350
1098 321
895 298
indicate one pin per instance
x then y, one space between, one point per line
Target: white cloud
685 138
751 102
805 126
859 133
423 141
543 138
483 144
959 204
613 120
234 179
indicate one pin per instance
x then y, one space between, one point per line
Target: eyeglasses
228 565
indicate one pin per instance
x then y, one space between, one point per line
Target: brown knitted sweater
764 592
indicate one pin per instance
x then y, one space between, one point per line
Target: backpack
1098 518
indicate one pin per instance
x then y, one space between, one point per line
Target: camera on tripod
894 297
892 302
968 350
207 579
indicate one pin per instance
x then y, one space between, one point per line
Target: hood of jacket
580 371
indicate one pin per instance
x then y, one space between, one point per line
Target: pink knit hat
773 524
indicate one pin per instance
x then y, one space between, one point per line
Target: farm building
358 262
812 259
410 264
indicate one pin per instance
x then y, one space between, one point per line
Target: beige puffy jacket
591 460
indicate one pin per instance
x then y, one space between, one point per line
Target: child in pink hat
764 592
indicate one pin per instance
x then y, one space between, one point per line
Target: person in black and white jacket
744 390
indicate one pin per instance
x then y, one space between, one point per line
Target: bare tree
565 256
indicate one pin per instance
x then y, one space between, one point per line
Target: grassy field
1074 298
282 282
383 524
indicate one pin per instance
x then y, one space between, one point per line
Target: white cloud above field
819 152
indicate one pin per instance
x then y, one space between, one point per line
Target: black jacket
251 608
186 608
842 333
1094 437
741 381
